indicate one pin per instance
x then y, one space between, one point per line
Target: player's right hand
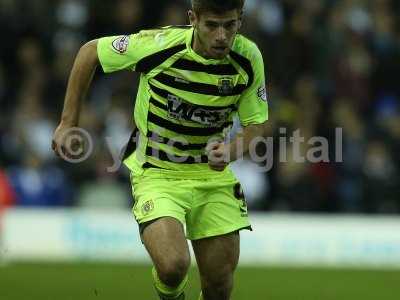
65 143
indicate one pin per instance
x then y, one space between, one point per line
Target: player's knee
173 271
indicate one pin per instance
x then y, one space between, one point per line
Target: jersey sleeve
124 52
253 104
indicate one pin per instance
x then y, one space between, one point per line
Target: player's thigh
155 199
166 244
220 209
218 256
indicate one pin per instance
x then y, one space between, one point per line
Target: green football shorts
208 207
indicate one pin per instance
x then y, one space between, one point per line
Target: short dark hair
216 6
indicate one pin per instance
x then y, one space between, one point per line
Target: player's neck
197 46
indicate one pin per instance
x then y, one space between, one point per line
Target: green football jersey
184 100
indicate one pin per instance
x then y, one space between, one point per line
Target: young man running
194 80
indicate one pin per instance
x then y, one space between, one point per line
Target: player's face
215 33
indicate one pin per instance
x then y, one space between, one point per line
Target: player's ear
240 19
192 17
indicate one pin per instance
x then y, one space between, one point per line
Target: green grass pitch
105 281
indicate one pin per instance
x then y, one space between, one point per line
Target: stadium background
328 64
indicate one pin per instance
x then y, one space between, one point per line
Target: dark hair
216 6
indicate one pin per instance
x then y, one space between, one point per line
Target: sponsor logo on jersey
262 93
120 45
225 85
180 110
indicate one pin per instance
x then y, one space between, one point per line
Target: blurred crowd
329 64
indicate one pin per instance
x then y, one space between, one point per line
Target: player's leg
217 258
166 244
160 211
213 223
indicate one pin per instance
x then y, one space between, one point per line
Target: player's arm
253 114
220 154
112 53
240 146
79 82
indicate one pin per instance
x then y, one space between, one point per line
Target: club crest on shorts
120 45
147 207
225 86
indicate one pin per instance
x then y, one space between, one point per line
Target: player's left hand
217 156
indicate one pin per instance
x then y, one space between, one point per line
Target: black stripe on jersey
179 145
164 156
158 104
186 130
152 61
131 145
185 64
176 26
196 87
160 92
245 64
148 165
164 94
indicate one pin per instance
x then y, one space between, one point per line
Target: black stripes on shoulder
185 64
245 64
150 62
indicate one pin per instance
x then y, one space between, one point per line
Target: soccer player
194 80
